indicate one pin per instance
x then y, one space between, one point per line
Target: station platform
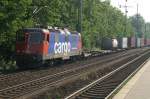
138 87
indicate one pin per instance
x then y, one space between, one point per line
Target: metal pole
90 11
137 28
80 23
126 18
144 31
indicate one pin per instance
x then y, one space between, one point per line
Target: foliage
100 20
147 30
138 24
12 17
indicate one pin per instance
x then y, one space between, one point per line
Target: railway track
8 80
22 89
102 87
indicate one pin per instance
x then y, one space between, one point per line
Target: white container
114 43
123 43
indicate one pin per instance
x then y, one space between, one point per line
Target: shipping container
131 42
109 44
138 42
147 42
142 42
123 43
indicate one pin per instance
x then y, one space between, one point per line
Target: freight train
37 45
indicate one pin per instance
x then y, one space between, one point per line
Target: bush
7 66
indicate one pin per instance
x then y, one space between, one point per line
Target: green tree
147 30
12 17
138 25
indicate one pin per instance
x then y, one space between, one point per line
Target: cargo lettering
62 47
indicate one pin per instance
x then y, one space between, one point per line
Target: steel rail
44 79
77 93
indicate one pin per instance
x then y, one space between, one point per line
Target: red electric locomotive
36 45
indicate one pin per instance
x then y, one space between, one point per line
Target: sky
143 7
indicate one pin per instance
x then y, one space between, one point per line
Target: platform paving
138 87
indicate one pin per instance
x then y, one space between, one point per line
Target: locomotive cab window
35 37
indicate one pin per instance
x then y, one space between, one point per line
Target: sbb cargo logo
62 47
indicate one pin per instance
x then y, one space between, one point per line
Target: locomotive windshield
31 36
35 37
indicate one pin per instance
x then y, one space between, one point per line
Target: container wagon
109 44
